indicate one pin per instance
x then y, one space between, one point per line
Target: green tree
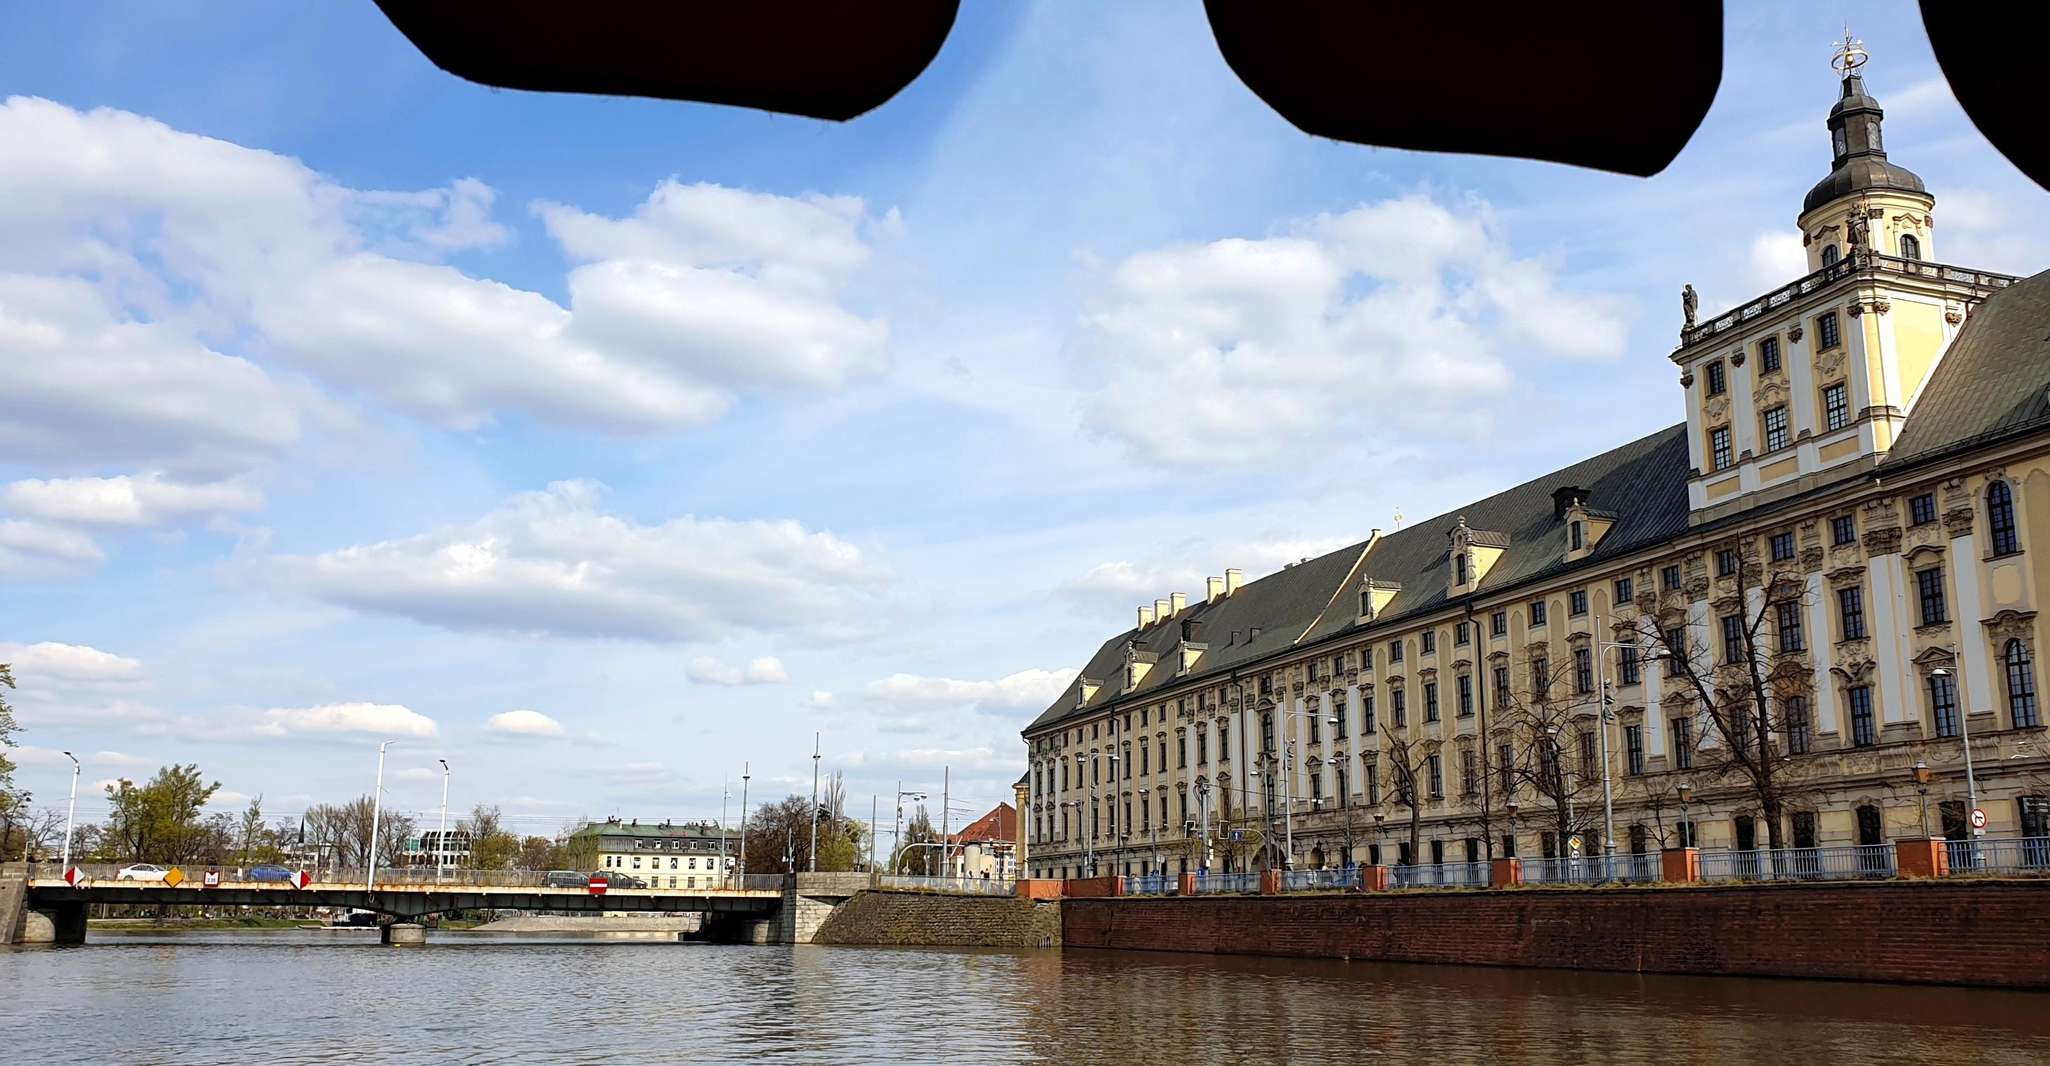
159 821
252 829
492 846
14 803
537 853
910 859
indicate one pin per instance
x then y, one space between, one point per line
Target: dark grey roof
1859 174
1994 380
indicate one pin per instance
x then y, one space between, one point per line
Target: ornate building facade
1782 622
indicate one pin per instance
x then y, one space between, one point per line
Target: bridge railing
959 886
403 877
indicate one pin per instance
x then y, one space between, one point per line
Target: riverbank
155 925
533 923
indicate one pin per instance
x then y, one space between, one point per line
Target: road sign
301 879
74 877
1573 845
598 884
1978 818
212 880
174 877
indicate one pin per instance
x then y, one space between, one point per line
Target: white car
141 871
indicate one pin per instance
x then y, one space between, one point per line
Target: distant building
987 846
420 850
666 854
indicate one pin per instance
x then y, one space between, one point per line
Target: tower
1813 380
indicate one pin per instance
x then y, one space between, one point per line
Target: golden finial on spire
1850 54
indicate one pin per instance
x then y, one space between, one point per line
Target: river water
334 997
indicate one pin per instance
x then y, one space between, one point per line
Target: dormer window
1459 568
1718 380
1366 604
1577 535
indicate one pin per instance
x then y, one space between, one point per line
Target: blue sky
600 445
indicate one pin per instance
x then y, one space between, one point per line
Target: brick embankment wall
1983 933
13 903
924 919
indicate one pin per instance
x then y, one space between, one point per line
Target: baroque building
1747 630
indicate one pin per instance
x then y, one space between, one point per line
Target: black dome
1859 174
1858 152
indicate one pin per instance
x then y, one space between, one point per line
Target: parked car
141 871
269 871
615 879
565 879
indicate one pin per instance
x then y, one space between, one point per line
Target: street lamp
69 809
1964 723
1287 786
1686 793
376 814
1922 776
897 833
814 863
441 838
743 823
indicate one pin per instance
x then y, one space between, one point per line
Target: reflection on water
337 997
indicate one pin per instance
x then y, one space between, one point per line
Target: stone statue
1689 304
1859 230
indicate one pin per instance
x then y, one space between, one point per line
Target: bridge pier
403 934
54 925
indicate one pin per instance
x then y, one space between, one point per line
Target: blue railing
1591 869
1219 883
1442 875
1838 862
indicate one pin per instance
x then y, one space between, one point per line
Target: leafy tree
492 846
918 829
252 829
158 821
346 828
779 836
537 853
13 802
575 850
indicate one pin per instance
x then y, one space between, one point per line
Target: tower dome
1858 160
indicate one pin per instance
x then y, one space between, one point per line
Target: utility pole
441 838
376 814
743 824
70 809
946 815
814 863
872 804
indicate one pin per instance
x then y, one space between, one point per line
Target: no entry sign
598 884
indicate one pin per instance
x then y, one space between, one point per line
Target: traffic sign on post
212 879
301 879
598 884
74 877
175 877
1978 818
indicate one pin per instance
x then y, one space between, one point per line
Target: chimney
1160 610
1145 616
1232 580
1177 601
1213 589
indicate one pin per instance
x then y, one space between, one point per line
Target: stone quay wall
1990 933
925 919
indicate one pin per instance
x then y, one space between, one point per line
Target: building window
1316 728
1782 546
1459 568
1583 671
1469 780
1589 769
1768 355
1427 641
1266 732
1718 382
1436 766
1911 246
1399 706
1794 715
2000 519
1859 699
1395 651
1576 602
1627 665
1929 590
1223 745
1633 749
1922 509
1202 749
1316 786
1625 592
1843 529
1776 428
1836 406
1669 577
1540 677
1829 255
1726 562
1943 705
1537 612
1501 686
1676 651
1791 637
1366 710
2021 684
1826 328
1430 701
1498 624
1575 536
1461 635
1733 638
1719 457
1683 743
1341 716
1850 608
1464 682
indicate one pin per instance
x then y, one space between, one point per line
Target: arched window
1911 246
2000 518
2021 684
1829 254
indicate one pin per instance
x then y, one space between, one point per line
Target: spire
1857 145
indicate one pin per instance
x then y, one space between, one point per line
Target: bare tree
1408 761
1549 727
1750 688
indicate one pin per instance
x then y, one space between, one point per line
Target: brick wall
1984 933
925 919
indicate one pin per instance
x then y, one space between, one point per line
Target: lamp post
441 838
1344 801
1686 792
376 816
1152 832
1602 717
814 863
1964 724
897 833
1203 811
1288 786
1922 776
743 823
70 809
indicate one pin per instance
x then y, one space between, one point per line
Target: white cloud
72 684
342 719
1125 584
1776 258
1032 689
766 670
523 723
982 759
28 547
552 562
1407 307
819 700
134 248
127 500
30 755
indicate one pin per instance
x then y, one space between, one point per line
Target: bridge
748 909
